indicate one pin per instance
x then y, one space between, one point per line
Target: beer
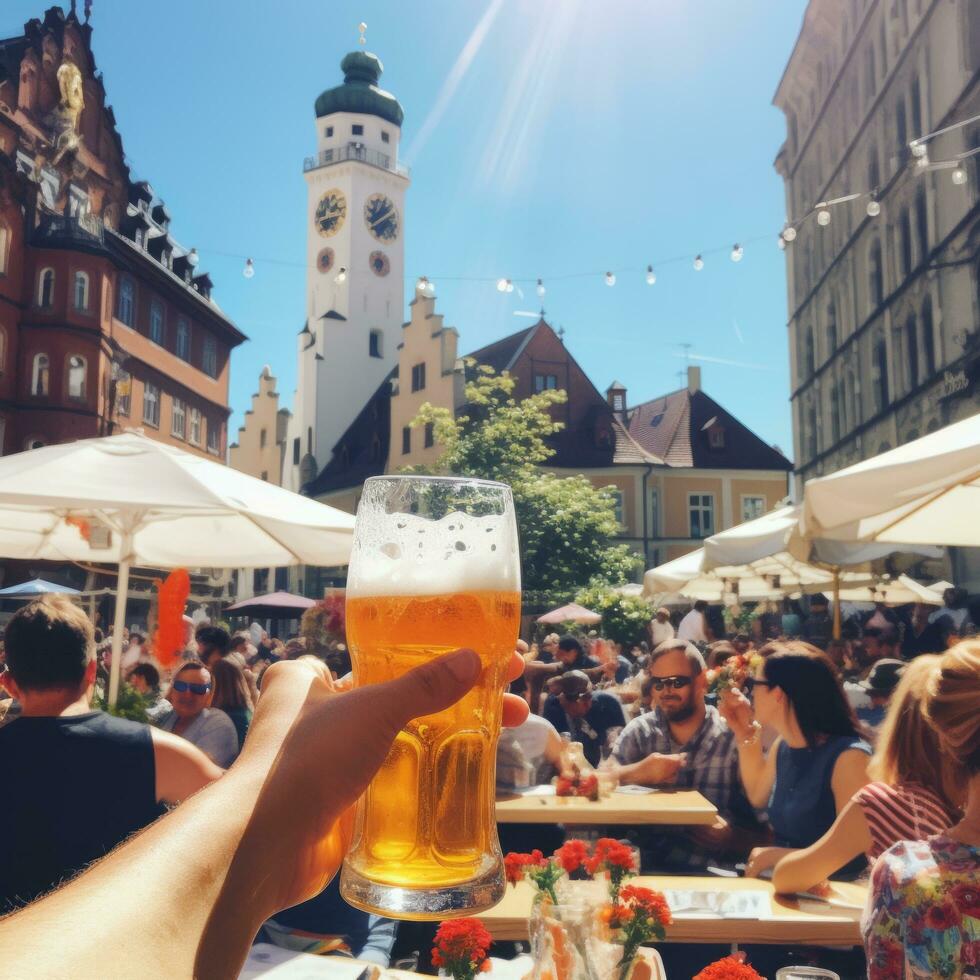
427 578
427 818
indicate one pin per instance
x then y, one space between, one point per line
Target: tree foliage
565 523
625 618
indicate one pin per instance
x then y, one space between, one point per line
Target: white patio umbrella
686 576
926 491
899 592
129 500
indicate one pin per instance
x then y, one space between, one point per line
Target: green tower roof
360 92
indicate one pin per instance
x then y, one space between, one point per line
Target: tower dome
360 92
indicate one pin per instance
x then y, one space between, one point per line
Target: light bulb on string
823 217
420 284
737 252
341 275
651 275
781 243
249 269
610 278
789 233
918 148
193 258
698 263
959 176
429 290
539 289
874 207
504 286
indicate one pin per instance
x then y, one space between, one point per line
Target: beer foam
403 554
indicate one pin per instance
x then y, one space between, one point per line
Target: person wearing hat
547 649
593 718
879 687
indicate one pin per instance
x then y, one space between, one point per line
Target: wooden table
678 807
813 924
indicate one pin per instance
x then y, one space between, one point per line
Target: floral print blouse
923 914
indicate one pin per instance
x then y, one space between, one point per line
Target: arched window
874 176
832 338
928 338
922 223
80 291
45 288
835 413
807 355
156 322
4 248
183 339
77 370
905 242
876 281
912 351
374 343
40 376
126 302
879 371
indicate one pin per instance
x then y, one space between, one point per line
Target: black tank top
71 788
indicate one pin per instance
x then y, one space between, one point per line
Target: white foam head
405 555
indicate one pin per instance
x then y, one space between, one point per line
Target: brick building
105 320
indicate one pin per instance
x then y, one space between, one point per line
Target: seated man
145 678
528 755
592 718
193 718
75 781
880 643
685 742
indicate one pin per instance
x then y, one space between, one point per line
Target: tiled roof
628 451
502 354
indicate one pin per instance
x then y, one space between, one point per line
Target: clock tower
355 263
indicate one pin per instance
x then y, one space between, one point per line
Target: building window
309 440
876 280
265 476
384 136
406 439
328 132
4 248
654 513
357 129
124 388
80 291
156 322
809 354
832 339
618 403
545 382
418 377
901 133
374 343
753 507
178 419
928 338
874 178
912 350
430 438
151 404
879 371
195 431
263 435
835 414
77 370
40 376
716 437
126 302
45 289
870 74
922 223
617 502
183 339
214 437
701 508
905 242
209 360
296 448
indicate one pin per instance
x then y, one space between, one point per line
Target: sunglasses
675 683
182 687
753 682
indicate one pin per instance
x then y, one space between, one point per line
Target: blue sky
574 137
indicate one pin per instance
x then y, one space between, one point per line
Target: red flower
516 865
646 900
943 916
967 899
564 786
729 968
461 947
572 855
612 856
588 786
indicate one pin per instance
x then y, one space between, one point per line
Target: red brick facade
104 321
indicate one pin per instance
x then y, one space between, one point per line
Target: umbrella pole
122 593
836 603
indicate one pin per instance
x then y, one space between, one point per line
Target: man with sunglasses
685 742
76 782
591 717
193 718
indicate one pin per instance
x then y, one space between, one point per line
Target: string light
505 286
959 176
789 234
919 149
193 258
651 275
540 290
341 275
610 279
698 263
737 252
823 216
874 208
249 269
781 243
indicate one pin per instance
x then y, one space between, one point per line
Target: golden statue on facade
68 111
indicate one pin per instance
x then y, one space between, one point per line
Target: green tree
625 618
565 523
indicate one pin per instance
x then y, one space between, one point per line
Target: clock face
381 217
330 213
379 263
324 260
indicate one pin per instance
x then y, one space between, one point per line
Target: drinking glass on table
435 566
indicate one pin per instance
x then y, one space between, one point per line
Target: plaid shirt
711 766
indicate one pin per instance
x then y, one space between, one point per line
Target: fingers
515 668
515 711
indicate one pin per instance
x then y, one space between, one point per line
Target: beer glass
435 566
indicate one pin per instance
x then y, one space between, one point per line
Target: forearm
176 878
752 770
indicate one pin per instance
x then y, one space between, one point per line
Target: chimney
693 378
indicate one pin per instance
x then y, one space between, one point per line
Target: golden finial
362 27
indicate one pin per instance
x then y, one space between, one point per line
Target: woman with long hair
923 915
232 694
916 791
819 759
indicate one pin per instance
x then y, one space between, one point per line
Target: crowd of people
824 758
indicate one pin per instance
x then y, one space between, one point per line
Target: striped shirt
907 811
